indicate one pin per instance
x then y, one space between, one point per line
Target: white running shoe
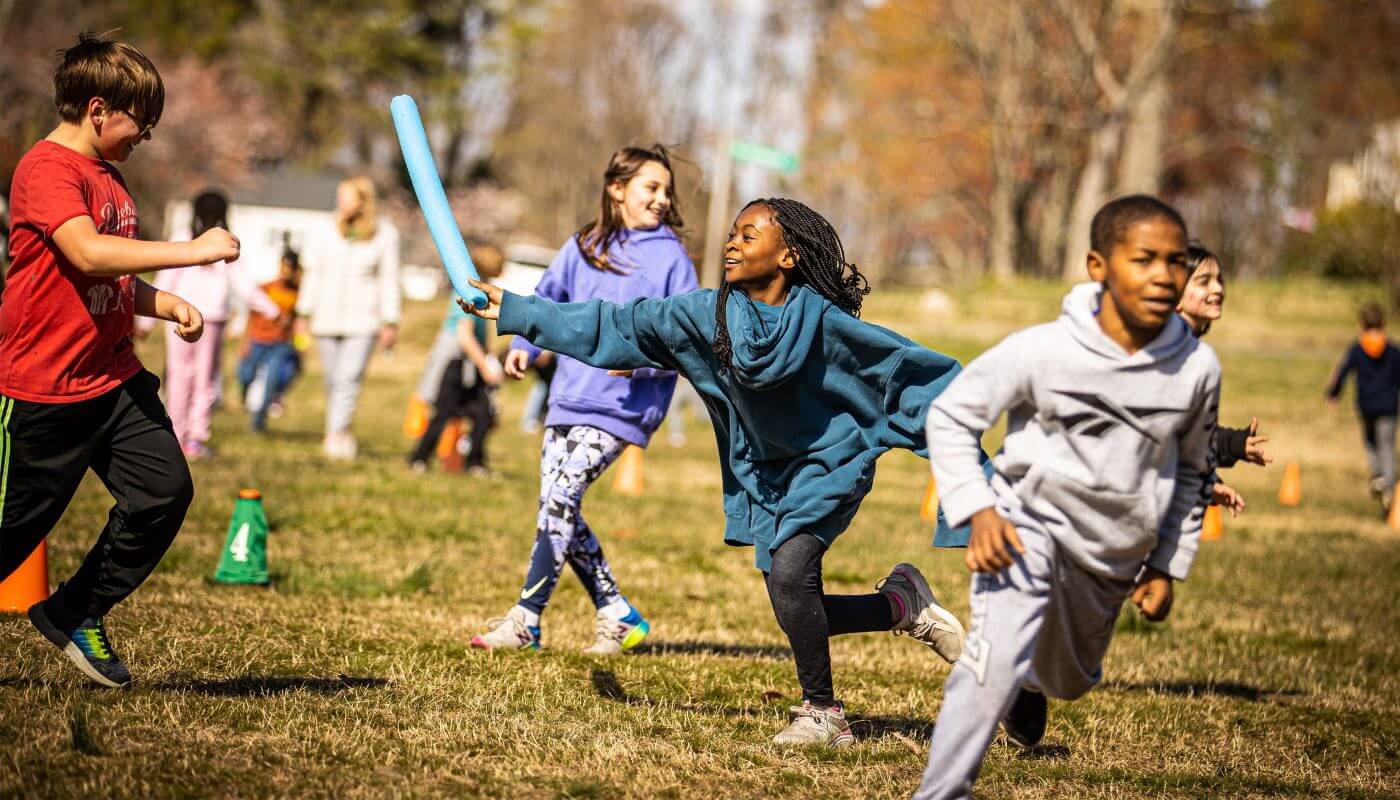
618 635
924 619
814 725
509 633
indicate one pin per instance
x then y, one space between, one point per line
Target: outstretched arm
598 333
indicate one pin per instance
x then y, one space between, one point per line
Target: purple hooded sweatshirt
651 263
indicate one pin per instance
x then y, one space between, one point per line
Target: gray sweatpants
343 358
1043 623
1379 433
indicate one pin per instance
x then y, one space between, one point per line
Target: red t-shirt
64 336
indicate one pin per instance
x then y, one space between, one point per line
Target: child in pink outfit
192 368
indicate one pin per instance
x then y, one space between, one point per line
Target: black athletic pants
125 437
454 400
811 617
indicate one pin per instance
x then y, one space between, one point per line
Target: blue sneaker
86 645
618 635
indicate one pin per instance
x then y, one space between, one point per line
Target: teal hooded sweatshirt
814 396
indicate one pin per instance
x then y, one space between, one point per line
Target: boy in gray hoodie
1098 492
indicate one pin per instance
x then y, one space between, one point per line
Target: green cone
245 551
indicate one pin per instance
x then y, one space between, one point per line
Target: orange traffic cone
27 585
1213 526
415 421
628 480
447 450
929 510
1393 518
1290 492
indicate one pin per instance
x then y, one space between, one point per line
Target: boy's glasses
146 127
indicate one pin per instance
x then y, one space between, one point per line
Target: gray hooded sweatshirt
1108 453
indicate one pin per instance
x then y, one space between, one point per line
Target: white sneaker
618 635
813 725
924 619
340 446
510 632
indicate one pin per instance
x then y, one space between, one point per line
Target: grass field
1277 675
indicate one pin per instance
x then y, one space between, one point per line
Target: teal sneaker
86 645
618 635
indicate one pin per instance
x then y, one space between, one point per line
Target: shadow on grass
687 648
1242 691
265 685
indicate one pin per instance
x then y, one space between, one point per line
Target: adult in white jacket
349 299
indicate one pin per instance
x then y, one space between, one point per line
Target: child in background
269 346
804 397
1376 362
1099 488
73 395
631 250
1202 303
461 376
192 369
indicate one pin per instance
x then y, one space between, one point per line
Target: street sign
764 156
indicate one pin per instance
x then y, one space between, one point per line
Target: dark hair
114 71
210 211
292 257
1372 317
595 237
820 263
1197 254
1112 221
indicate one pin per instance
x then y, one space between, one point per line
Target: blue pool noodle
413 140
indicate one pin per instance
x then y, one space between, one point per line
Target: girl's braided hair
820 263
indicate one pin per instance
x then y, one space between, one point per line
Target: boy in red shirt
73 395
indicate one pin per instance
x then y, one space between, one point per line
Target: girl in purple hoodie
630 251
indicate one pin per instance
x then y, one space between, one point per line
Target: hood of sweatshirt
771 343
1080 310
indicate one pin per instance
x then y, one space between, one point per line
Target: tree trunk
1002 247
1140 169
1093 186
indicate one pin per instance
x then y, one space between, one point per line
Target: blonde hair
363 224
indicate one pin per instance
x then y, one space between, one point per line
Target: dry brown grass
1277 675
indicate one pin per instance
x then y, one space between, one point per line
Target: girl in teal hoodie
804 398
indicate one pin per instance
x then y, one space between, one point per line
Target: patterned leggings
571 460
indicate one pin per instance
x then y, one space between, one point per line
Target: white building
279 209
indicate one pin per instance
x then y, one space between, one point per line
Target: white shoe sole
80 661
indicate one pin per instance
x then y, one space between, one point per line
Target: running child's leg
573 459
180 378
138 458
144 470
810 617
1007 613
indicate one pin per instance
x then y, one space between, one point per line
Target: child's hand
189 323
991 534
1254 445
1153 594
493 307
517 361
388 336
216 244
1226 497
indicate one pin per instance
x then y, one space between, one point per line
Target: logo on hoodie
1102 414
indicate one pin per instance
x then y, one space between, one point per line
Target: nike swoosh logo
525 595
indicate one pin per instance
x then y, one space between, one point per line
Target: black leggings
810 617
